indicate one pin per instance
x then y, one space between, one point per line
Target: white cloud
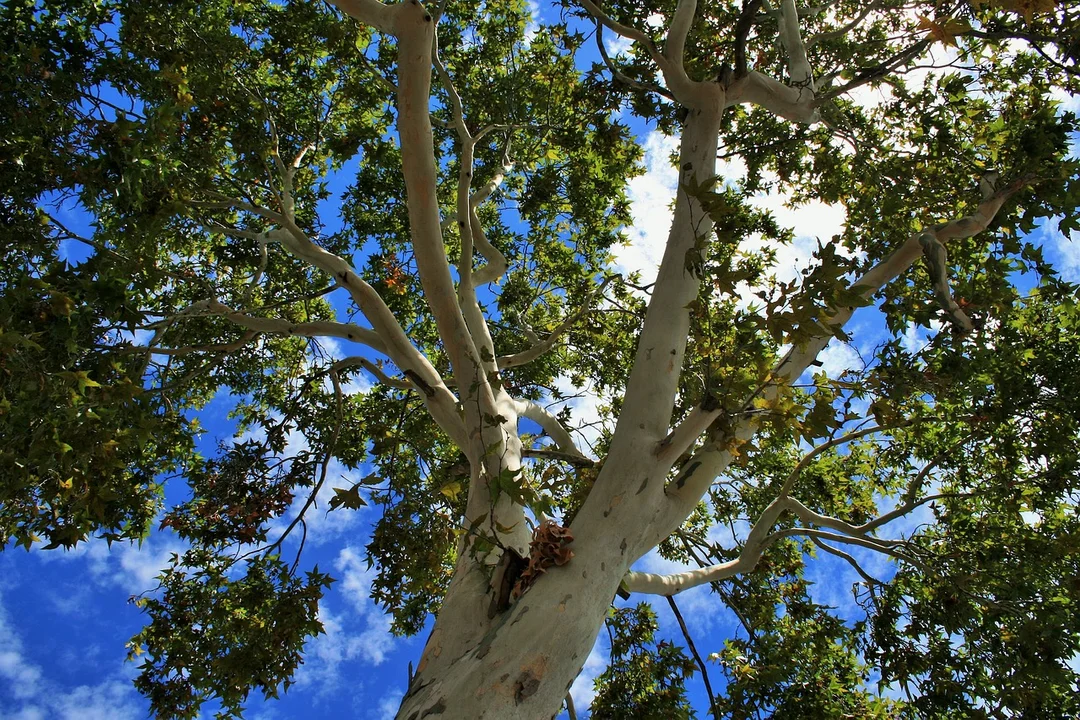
1069 102
360 634
585 406
812 221
39 698
617 44
322 526
356 580
388 706
655 20
533 25
22 676
113 699
838 357
917 337
326 654
650 196
1065 250
130 566
110 700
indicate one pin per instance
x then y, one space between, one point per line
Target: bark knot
525 686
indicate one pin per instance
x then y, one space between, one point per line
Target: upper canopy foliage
150 151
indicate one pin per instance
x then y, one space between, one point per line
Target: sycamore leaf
80 378
451 490
944 32
349 498
1027 8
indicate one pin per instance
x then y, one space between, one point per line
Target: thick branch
493 184
496 261
369 12
742 31
654 378
415 32
798 359
551 425
683 437
937 262
675 45
790 38
790 103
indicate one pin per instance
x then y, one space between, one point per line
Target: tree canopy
395 231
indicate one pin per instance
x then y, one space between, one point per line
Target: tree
467 268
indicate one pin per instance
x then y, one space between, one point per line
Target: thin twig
697 656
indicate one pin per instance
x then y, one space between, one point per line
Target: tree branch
791 39
358 361
756 543
675 44
551 425
686 433
312 329
572 458
681 87
842 31
618 74
370 12
702 469
881 70
697 656
224 348
742 31
835 442
790 103
661 346
869 543
867 577
543 346
937 263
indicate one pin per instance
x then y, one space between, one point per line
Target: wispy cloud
130 566
34 697
359 634
388 706
22 677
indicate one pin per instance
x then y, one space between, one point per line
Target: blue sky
65 616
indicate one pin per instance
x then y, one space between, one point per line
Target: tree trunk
521 662
524 664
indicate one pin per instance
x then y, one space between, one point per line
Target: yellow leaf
944 33
451 490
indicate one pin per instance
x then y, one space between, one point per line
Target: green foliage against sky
162 144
